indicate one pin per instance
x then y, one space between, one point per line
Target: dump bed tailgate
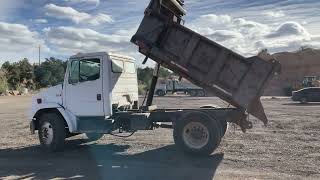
232 77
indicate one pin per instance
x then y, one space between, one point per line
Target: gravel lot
289 148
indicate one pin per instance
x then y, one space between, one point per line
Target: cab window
117 66
74 72
89 70
84 70
130 67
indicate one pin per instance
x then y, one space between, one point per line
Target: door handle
99 97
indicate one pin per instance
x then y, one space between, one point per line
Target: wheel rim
195 135
160 93
201 93
47 133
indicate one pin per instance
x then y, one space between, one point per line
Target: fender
69 118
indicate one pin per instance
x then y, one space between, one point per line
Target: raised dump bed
238 80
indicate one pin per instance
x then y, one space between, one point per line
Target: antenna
39 54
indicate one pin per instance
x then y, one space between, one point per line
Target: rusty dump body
238 80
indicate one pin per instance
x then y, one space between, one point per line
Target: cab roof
82 55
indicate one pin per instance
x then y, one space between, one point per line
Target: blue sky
66 27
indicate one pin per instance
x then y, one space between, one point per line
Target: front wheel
197 134
52 132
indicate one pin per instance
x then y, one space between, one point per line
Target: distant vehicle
311 81
173 86
306 95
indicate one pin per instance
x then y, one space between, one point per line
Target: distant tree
50 72
26 69
18 74
5 65
3 83
42 76
12 73
145 76
26 73
164 73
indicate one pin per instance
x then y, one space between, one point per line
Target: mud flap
256 109
32 127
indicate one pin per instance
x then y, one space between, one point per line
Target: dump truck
99 94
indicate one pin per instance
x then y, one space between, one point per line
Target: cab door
83 91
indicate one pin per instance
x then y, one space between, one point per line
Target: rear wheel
52 132
160 93
201 93
197 134
193 93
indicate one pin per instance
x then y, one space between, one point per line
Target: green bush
3 85
20 88
142 88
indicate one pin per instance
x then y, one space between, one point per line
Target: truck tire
223 122
94 136
160 93
193 93
197 133
201 93
52 132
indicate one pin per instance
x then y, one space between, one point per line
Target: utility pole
39 54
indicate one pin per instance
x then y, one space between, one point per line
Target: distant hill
294 66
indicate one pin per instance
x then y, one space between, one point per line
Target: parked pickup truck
183 86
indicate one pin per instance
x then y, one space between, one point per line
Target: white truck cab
95 86
97 82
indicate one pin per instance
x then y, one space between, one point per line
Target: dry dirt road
289 148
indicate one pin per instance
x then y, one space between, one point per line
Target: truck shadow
111 161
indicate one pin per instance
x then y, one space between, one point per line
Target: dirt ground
289 148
